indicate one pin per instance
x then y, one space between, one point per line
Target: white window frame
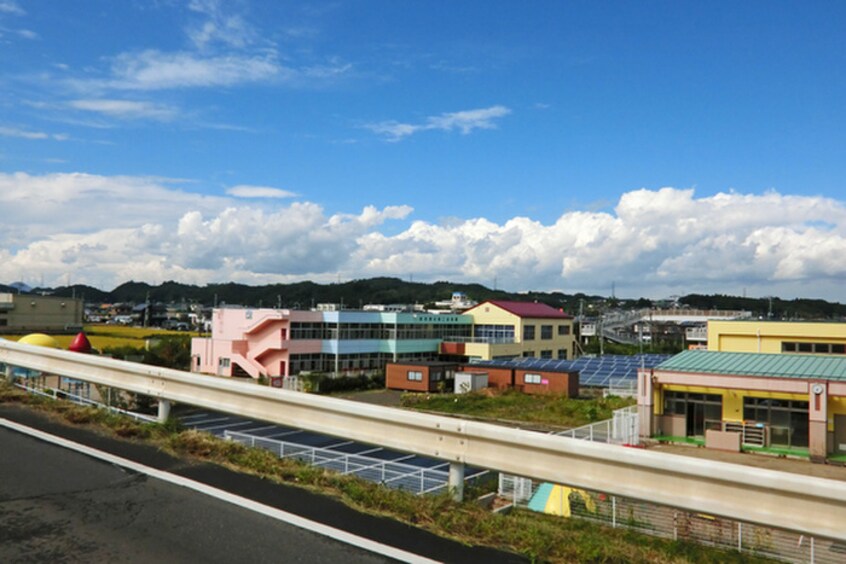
531 378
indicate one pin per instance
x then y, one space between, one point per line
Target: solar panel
597 371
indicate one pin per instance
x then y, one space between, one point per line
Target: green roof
757 364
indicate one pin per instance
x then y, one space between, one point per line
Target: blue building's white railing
481 340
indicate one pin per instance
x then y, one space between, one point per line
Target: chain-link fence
668 522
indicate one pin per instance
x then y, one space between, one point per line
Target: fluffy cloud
105 230
655 243
464 121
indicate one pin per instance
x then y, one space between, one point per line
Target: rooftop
758 364
525 309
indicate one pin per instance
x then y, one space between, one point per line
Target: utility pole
147 310
601 337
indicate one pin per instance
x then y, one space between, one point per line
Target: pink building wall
257 340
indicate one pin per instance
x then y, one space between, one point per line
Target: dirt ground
385 398
782 464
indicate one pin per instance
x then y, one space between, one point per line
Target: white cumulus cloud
105 230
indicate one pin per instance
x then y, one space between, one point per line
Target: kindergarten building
777 385
508 329
274 343
801 337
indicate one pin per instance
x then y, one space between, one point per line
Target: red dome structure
80 344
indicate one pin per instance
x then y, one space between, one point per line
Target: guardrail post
456 480
164 410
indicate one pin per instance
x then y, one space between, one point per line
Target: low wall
722 440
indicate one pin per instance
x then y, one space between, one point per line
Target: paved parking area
403 469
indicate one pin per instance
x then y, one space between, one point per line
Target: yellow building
782 403
777 337
762 385
507 329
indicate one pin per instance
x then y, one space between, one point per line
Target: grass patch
511 405
779 451
678 439
542 538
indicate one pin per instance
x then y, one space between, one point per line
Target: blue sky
664 147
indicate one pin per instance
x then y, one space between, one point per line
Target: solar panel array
599 371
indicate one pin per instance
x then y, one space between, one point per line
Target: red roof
525 309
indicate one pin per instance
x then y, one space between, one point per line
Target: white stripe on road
272 512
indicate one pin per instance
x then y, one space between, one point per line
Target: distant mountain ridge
386 290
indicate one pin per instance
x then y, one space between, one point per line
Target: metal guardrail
670 523
796 502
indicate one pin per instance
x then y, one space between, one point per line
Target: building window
563 330
528 332
814 348
494 333
701 411
546 354
223 362
528 354
415 376
531 378
787 419
546 332
562 354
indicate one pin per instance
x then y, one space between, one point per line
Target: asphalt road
60 506
57 505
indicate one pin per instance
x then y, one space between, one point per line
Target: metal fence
622 387
81 400
415 479
622 429
667 522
